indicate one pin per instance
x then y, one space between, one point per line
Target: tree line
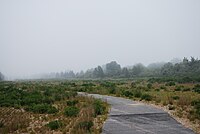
187 68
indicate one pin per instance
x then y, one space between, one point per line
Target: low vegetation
48 106
182 100
40 106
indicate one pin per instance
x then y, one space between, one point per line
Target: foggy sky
39 36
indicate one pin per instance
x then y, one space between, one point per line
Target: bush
85 125
175 97
112 90
137 93
178 88
133 84
186 89
42 108
99 108
163 87
196 105
171 83
72 102
71 111
149 85
54 125
197 88
127 93
146 97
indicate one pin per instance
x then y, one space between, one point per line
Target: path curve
130 117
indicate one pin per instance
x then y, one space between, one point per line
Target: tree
138 69
113 69
98 72
71 74
89 73
1 76
167 69
185 60
125 72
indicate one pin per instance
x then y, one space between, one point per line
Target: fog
41 36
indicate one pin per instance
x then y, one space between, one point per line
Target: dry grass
19 121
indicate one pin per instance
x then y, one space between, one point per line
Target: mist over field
40 37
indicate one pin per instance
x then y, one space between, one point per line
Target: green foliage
178 88
127 93
72 102
137 93
171 83
53 125
163 87
85 125
196 105
88 84
99 107
108 84
133 84
175 97
197 88
42 108
149 85
71 111
186 89
112 90
146 97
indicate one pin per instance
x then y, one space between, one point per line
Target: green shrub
71 111
85 125
196 104
175 97
197 88
72 102
146 97
54 125
133 84
112 90
171 83
127 93
137 93
178 88
186 89
163 87
99 108
149 85
42 108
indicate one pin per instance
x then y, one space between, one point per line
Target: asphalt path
130 117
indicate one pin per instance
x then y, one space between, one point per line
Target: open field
33 104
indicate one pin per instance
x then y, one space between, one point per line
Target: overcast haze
39 36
